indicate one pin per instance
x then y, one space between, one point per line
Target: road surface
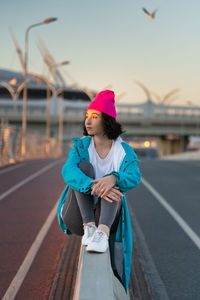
167 208
166 205
28 195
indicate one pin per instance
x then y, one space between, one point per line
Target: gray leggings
79 207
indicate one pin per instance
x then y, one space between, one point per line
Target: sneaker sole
95 250
86 243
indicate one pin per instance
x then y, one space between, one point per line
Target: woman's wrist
114 178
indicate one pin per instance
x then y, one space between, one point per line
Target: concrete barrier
95 279
189 155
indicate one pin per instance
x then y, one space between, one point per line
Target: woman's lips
88 128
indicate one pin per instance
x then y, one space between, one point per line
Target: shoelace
98 236
91 229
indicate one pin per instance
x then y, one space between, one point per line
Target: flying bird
150 15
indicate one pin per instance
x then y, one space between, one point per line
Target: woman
101 167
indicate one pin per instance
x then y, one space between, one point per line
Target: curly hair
111 127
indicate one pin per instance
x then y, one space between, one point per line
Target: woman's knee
87 168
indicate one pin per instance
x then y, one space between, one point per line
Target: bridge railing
146 109
37 145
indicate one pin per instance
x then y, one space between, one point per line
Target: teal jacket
128 177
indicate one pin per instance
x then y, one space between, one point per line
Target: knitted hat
104 102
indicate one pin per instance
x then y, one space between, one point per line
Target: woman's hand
114 194
104 188
103 185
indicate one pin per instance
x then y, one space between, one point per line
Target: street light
60 93
49 86
50 91
46 21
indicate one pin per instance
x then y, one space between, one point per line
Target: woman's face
93 122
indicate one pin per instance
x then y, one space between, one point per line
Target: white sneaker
99 242
88 233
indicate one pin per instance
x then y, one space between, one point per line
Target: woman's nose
88 121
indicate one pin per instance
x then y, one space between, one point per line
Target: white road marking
26 264
29 178
186 228
8 169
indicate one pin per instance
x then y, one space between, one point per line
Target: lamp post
59 92
23 145
49 87
50 91
60 131
48 121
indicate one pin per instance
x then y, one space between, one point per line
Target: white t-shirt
111 162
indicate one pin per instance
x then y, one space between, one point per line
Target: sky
111 42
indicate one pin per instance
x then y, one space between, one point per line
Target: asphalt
22 214
174 255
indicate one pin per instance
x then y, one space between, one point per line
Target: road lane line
12 168
186 228
31 177
28 260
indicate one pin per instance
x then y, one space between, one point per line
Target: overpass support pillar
171 144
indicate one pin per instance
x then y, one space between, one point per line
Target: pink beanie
104 102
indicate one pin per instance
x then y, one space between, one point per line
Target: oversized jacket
128 177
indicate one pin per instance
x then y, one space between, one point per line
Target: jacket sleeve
130 177
73 175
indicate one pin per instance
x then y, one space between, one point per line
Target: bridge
171 126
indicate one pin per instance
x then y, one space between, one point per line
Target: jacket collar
84 142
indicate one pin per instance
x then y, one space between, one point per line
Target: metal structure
14 91
52 65
165 100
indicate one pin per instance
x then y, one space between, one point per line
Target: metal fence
37 145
